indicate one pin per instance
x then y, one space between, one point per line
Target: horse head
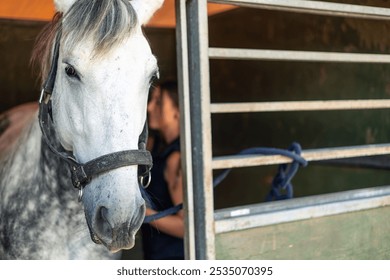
105 67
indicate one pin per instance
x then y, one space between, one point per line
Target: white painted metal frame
198 128
202 222
185 127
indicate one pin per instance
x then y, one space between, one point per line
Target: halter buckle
45 96
81 192
79 177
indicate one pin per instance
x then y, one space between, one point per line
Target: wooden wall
18 80
18 83
247 81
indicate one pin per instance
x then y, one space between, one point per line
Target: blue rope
280 183
161 214
282 180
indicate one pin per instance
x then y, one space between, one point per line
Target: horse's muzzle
116 235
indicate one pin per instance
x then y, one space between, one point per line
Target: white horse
102 71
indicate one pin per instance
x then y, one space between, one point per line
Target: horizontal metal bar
320 105
254 54
265 214
313 7
235 161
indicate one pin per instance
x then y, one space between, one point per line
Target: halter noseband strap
81 174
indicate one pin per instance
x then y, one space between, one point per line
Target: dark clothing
156 244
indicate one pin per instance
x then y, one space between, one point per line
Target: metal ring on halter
142 178
80 197
41 96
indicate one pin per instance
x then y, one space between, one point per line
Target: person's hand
149 212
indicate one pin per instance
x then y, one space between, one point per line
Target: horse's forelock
107 23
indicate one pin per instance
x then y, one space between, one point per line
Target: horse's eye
70 71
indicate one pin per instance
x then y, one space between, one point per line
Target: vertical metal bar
201 128
185 127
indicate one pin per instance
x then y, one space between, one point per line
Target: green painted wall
360 235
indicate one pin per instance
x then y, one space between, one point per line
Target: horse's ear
63 5
145 9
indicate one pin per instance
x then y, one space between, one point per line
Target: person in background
163 238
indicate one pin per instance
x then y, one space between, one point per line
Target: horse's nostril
103 213
138 218
103 226
142 211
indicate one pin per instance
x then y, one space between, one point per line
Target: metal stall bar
201 129
251 54
259 215
314 7
234 161
185 127
290 106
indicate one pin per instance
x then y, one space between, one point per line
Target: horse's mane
106 23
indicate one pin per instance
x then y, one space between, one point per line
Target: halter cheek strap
82 174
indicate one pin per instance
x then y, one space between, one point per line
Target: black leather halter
82 174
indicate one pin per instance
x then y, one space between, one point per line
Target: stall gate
290 229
